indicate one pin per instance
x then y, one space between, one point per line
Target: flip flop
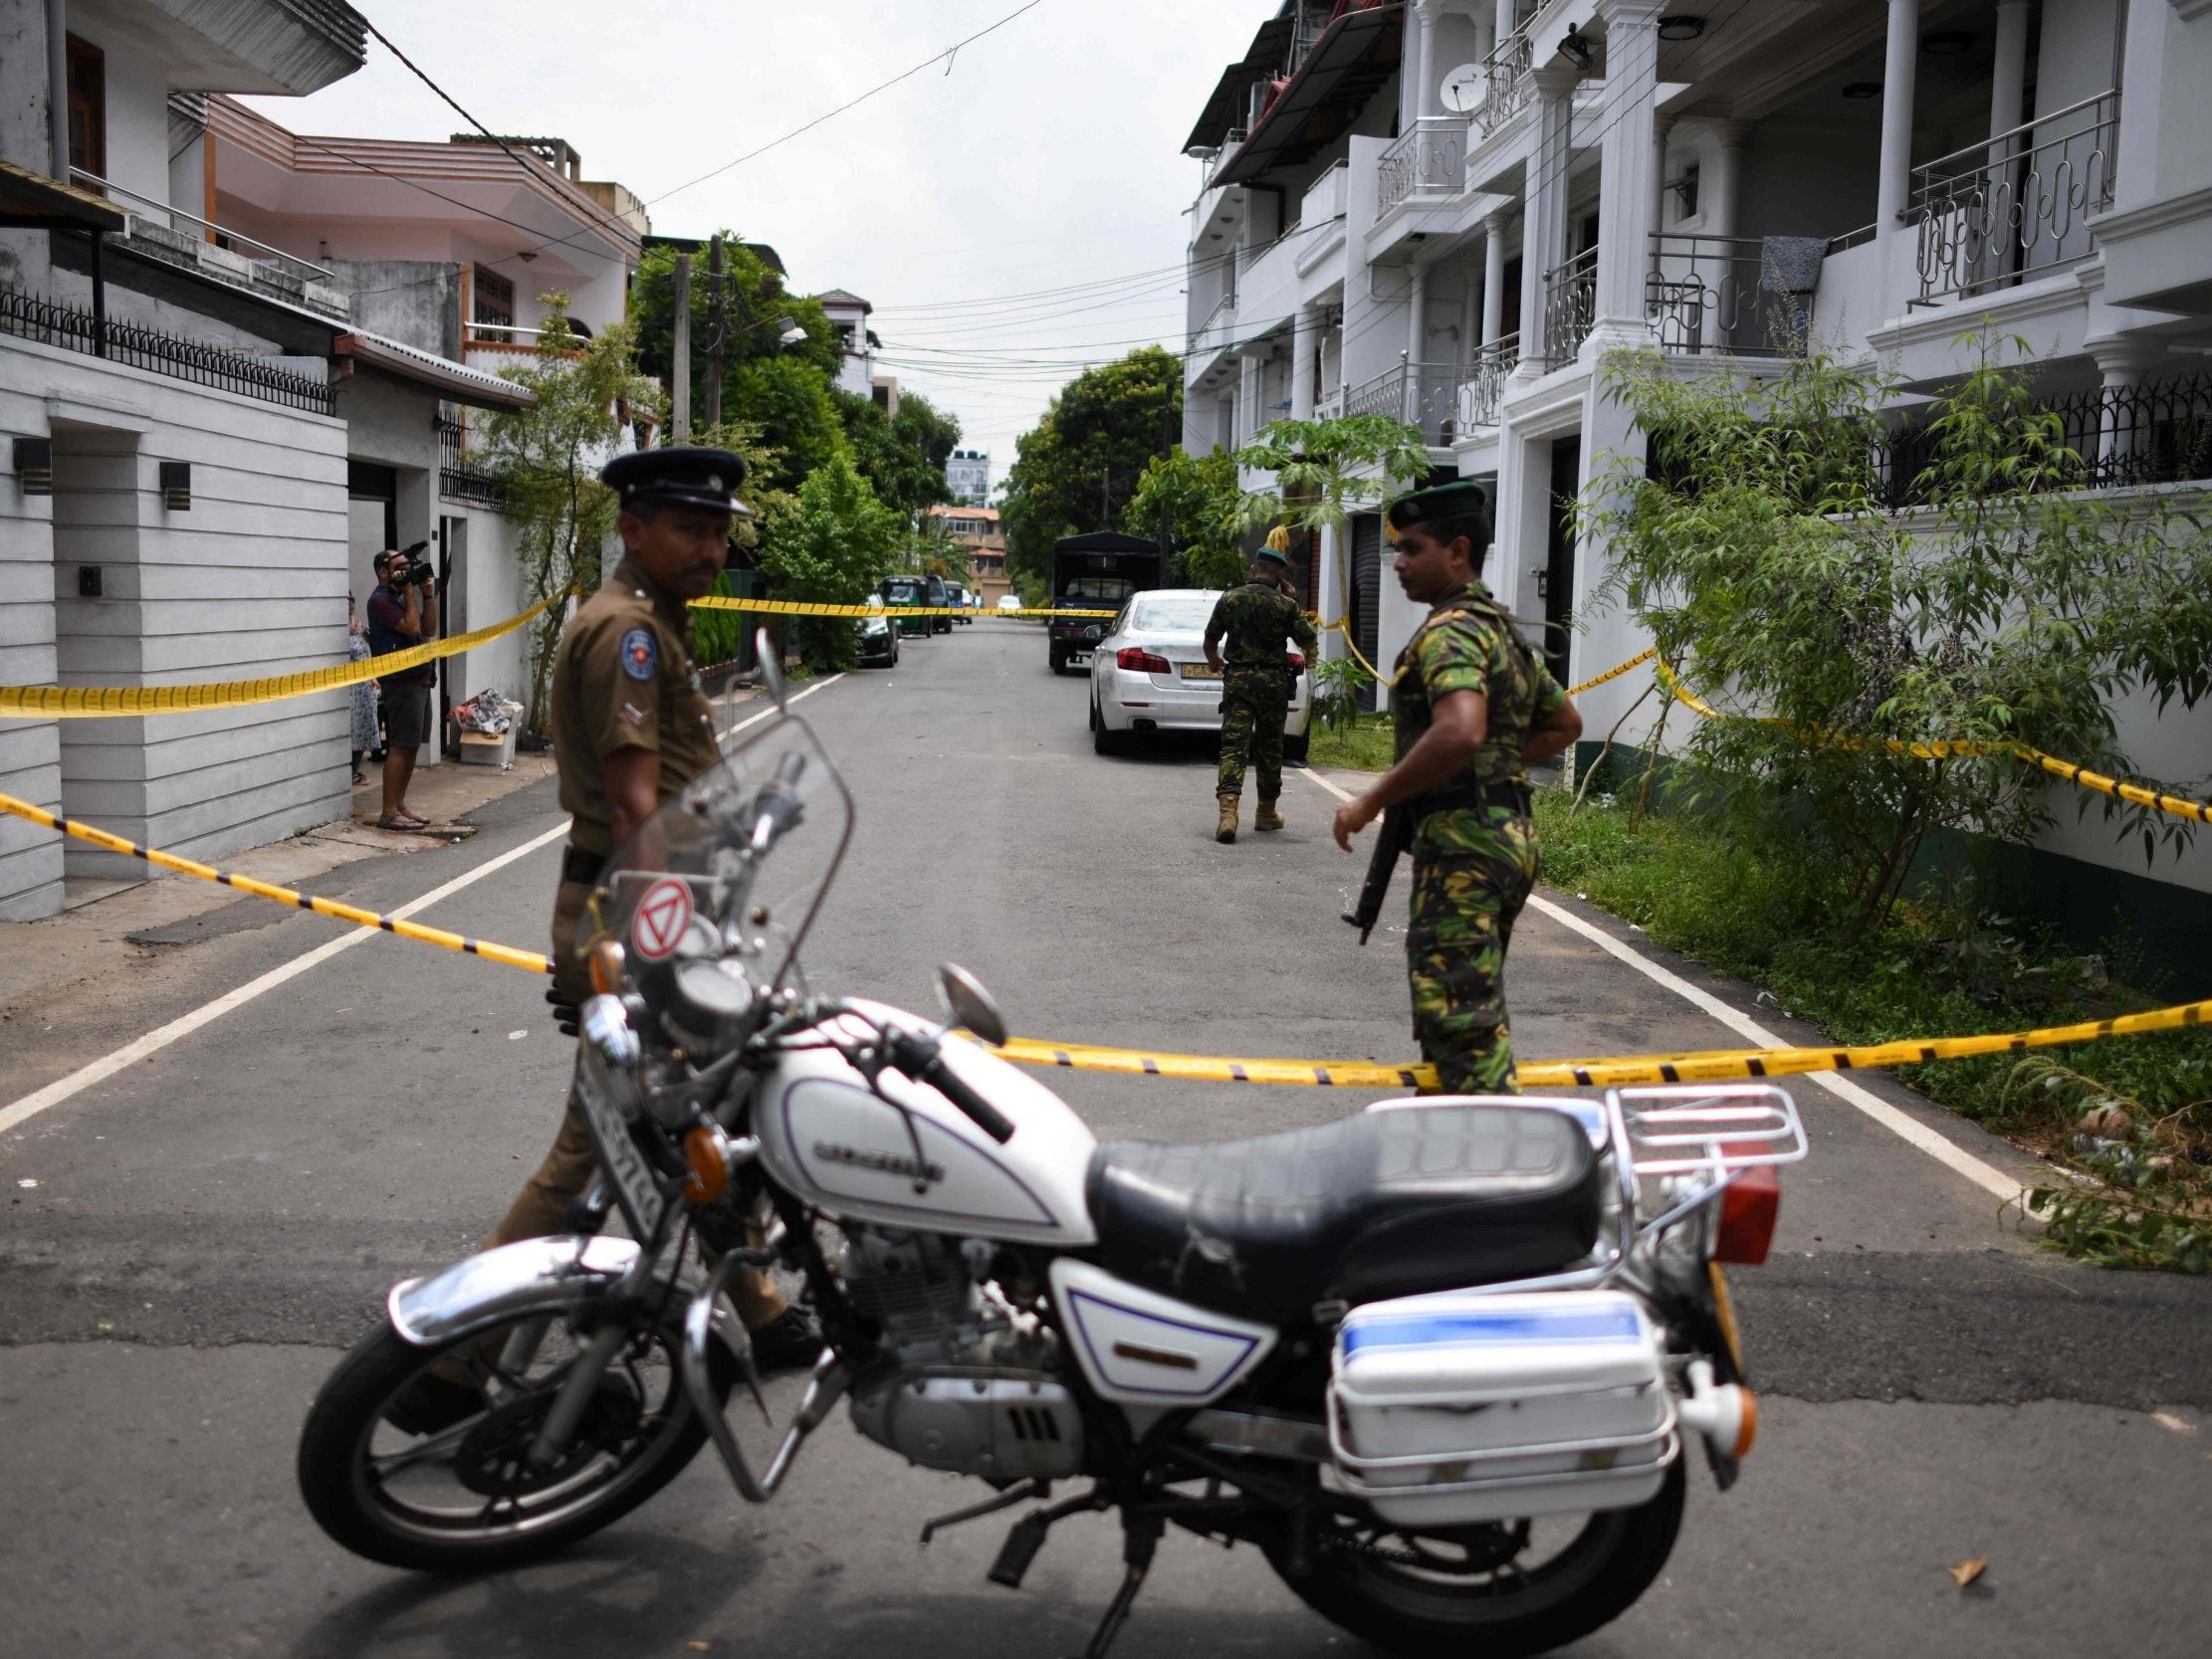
405 822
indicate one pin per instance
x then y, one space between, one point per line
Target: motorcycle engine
973 1384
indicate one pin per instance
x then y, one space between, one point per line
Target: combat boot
1267 818
1225 830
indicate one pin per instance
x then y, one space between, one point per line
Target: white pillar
1416 344
1625 183
1725 188
1494 278
1423 100
1249 415
1660 130
1505 14
1544 207
2008 75
56 90
2142 78
2120 364
1305 334
1893 189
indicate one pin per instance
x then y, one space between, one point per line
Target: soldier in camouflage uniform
1244 644
1474 704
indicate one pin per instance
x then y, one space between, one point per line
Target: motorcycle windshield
733 867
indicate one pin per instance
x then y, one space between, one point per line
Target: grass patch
1366 745
1931 971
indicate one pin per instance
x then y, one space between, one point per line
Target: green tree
902 457
1324 472
1193 500
784 390
831 543
546 459
1882 666
1079 468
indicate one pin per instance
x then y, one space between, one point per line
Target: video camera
418 572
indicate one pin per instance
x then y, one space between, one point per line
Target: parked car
1149 674
909 594
1009 601
956 595
879 640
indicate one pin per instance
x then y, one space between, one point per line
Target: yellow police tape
1613 673
1707 1066
107 701
1943 750
801 607
512 958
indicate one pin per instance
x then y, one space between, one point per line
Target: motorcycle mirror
771 671
967 1003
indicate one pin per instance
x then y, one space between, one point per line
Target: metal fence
2017 203
1714 293
2158 432
1507 82
1482 391
1431 158
1420 394
457 480
50 323
1570 307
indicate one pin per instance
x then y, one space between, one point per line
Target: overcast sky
1048 156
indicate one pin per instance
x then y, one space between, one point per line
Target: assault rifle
1394 837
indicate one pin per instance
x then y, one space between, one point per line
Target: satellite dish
1463 88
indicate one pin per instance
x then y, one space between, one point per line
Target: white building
173 505
1446 209
967 477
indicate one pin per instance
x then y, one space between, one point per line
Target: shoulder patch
641 654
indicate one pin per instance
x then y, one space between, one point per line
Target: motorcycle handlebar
776 808
922 1059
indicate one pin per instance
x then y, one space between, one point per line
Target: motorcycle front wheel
457 1490
1502 1590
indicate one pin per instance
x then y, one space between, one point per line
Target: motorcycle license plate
634 1186
1198 671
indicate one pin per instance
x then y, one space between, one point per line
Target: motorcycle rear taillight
1749 1209
1295 662
1138 660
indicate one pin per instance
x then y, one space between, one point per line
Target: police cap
1461 499
681 475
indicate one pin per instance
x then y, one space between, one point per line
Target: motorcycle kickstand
1140 1541
1005 1499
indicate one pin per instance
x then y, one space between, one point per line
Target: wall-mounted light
791 332
1576 48
176 486
1947 43
1681 27
1863 89
34 466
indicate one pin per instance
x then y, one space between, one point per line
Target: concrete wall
414 302
138 112
26 135
250 581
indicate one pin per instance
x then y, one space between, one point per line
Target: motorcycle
1439 1362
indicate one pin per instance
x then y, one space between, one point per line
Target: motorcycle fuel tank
842 1148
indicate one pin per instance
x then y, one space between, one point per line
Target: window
88 106
495 299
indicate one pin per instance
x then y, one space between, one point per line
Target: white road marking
31 1105
1902 1124
756 719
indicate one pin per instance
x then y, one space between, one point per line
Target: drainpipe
56 84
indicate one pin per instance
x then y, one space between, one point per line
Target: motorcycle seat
1382 1204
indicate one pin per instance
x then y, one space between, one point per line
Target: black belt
576 864
1473 797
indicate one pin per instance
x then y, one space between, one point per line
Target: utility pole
1106 498
718 331
1167 449
679 424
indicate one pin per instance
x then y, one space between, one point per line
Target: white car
1009 601
1149 674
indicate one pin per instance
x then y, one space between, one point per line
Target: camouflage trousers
1254 709
1464 907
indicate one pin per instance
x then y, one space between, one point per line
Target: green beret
1272 554
683 474
1462 498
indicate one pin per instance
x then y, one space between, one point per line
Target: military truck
1094 572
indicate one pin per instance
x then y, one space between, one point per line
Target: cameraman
402 614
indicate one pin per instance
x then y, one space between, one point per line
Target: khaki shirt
625 678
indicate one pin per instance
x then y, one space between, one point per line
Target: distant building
848 314
968 476
977 529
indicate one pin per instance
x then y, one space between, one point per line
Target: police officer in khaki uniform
630 727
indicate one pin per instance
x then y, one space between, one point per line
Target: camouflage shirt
1252 622
1468 644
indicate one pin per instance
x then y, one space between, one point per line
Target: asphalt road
211 1225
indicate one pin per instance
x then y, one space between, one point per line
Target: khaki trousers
542 1207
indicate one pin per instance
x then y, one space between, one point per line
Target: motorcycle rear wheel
460 1498
1426 1596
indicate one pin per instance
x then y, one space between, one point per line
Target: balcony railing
2017 203
1199 340
1324 198
1507 82
2128 437
1570 307
1420 394
1483 387
1730 293
1429 159
172 234
457 480
51 323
